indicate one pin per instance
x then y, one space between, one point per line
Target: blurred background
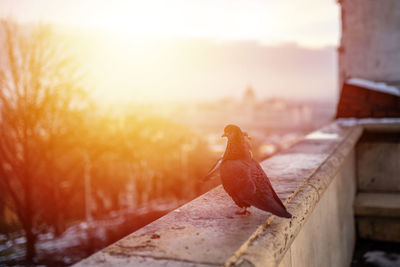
111 112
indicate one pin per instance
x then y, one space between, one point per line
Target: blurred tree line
64 160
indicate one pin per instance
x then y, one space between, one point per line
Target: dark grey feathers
244 179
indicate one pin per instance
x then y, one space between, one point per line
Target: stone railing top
207 232
373 124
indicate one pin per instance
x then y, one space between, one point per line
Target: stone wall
378 162
370 42
377 205
315 179
328 237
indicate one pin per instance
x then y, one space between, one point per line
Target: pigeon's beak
224 135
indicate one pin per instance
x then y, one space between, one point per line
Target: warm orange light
141 61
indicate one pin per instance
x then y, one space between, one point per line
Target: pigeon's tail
284 214
276 208
279 211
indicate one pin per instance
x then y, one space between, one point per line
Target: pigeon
244 179
216 166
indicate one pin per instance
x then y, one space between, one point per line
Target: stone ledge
377 205
270 242
373 124
207 232
379 228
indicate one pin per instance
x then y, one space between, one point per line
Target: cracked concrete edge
269 243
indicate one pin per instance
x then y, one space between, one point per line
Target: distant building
249 97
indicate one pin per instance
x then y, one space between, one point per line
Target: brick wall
359 102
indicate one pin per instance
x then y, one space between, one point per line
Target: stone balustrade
315 178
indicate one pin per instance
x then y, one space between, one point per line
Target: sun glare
264 21
144 53
139 19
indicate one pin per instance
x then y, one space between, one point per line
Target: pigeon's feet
242 211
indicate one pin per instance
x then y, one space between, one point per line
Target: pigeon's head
232 131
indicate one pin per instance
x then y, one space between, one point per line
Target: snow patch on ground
376 86
366 121
382 259
71 246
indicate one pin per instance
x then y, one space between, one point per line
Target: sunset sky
307 25
307 22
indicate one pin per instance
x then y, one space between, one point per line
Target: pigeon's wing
212 171
265 197
265 184
236 179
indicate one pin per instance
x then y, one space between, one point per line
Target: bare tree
40 97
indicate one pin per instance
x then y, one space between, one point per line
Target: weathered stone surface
268 245
378 165
103 259
378 216
327 238
378 205
385 125
287 259
206 231
379 228
370 40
